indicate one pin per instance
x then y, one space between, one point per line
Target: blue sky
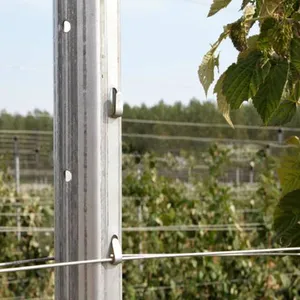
163 42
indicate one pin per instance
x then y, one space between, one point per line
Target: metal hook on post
116 251
116 103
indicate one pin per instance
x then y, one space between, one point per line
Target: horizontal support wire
136 257
209 227
27 261
162 122
204 139
194 227
209 125
26 229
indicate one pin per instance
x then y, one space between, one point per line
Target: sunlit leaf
293 140
207 69
223 106
289 173
217 5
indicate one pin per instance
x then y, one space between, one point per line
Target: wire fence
29 154
34 172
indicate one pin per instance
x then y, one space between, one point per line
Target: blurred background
190 182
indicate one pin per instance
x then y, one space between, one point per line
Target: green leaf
293 140
268 7
284 113
251 46
217 5
296 92
289 173
243 79
206 71
209 62
295 53
245 3
287 219
285 280
268 97
223 106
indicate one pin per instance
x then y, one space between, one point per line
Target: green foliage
270 92
287 219
289 173
217 5
284 113
251 77
274 90
154 200
224 107
29 284
206 70
241 79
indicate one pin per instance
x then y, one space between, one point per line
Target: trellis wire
216 125
27 261
204 139
135 257
208 227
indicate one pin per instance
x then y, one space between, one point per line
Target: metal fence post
17 165
280 135
17 182
87 146
37 167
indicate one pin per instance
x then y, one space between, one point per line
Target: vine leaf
295 53
293 140
268 7
244 78
245 3
284 113
268 97
206 71
287 219
289 173
217 5
223 106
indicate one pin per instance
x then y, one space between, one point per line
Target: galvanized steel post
87 147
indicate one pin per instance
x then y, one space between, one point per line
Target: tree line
195 111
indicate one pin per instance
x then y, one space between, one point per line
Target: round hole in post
66 26
67 175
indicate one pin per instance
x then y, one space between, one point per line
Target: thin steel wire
26 261
209 227
25 229
134 257
209 125
204 139
55 265
250 226
42 132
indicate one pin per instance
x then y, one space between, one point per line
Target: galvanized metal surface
87 147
